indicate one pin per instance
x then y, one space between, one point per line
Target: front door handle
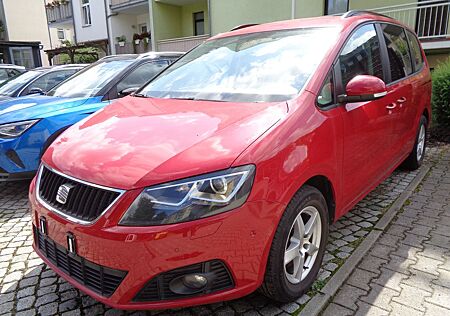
391 106
401 100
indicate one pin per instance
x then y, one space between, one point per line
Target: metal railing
123 3
59 13
430 19
182 44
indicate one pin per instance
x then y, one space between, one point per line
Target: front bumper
240 239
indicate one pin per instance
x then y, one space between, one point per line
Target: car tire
281 282
415 158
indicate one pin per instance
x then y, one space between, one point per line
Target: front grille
99 279
84 202
157 289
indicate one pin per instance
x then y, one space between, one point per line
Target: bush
441 94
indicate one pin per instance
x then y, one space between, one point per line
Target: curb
321 300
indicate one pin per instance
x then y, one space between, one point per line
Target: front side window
49 80
415 50
398 51
326 95
257 67
90 81
12 85
86 12
361 55
336 6
141 75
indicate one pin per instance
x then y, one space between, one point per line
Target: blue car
28 125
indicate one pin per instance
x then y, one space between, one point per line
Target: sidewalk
407 272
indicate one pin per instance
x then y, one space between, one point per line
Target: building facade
24 21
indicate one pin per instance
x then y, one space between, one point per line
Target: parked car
8 71
28 125
222 175
37 81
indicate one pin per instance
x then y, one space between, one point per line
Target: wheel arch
325 186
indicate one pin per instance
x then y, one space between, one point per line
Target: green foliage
441 94
80 59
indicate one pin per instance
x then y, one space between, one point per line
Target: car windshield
11 86
89 82
258 67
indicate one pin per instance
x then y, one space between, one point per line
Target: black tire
412 162
276 285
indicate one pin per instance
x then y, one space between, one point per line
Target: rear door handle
401 100
391 106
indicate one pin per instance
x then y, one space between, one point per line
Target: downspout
111 49
293 8
152 26
74 26
209 18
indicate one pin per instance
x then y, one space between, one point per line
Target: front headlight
16 129
191 199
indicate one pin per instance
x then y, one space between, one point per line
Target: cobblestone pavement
28 287
407 272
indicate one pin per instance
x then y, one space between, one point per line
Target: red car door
368 126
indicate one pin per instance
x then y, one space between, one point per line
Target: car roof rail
243 26
352 13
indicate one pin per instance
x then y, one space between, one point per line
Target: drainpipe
293 8
152 26
111 47
209 18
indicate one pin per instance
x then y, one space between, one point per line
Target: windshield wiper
139 95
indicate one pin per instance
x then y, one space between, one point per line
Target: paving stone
337 310
412 297
380 297
25 302
441 296
348 295
361 279
428 265
365 309
390 279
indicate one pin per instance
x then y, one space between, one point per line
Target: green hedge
441 94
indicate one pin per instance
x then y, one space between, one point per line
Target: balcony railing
132 48
126 3
430 19
182 44
59 12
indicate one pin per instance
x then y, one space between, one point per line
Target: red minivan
222 175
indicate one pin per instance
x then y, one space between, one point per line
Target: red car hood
138 142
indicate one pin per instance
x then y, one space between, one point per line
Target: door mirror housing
36 91
128 91
363 88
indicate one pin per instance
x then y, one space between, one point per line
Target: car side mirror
128 91
363 88
36 91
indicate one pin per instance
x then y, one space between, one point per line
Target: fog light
195 281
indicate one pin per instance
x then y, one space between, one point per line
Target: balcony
133 48
430 20
182 44
59 12
120 5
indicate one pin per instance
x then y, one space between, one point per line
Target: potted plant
121 40
136 38
145 37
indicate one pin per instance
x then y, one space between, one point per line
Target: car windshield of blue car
89 82
12 85
256 67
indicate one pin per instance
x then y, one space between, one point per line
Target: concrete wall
187 18
97 30
26 20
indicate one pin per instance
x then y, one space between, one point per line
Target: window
432 18
326 95
143 28
335 6
199 23
415 50
141 75
49 80
22 56
361 55
398 51
61 34
86 12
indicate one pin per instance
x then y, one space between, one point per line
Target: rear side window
141 75
415 50
398 51
361 55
